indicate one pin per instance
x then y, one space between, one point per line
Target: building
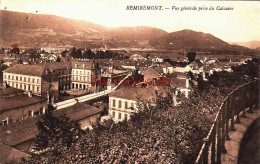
20 107
48 79
152 73
181 82
123 102
19 137
137 57
6 91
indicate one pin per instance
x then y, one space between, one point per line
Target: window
33 80
36 113
41 111
119 116
12 77
33 86
114 103
125 116
114 114
16 85
4 122
132 105
38 89
29 87
29 79
16 77
126 105
38 80
21 86
24 79
5 76
29 113
21 79
24 86
119 103
8 76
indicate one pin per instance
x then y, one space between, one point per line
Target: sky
238 25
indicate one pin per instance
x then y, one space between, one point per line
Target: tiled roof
9 90
82 65
33 70
79 111
19 132
25 130
8 154
18 101
179 83
56 65
133 93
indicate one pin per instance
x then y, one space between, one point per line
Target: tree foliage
158 133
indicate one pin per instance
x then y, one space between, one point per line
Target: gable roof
133 93
33 70
25 130
8 153
18 101
10 90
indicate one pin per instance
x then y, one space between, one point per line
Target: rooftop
25 130
133 93
18 101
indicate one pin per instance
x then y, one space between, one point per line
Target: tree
57 137
191 56
15 49
58 59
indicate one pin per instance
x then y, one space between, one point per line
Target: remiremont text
182 8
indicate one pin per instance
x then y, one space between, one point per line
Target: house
47 79
187 68
7 91
20 135
123 102
137 57
157 60
152 73
167 68
181 82
20 107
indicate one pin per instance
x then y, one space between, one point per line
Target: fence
234 106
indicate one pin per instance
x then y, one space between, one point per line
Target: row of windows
81 78
80 72
126 106
29 114
17 78
119 116
24 86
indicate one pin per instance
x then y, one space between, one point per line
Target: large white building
49 78
123 102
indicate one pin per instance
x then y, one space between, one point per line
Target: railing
235 105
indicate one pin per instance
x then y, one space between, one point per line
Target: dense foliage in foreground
160 134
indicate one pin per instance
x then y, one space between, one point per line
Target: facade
20 107
123 102
47 79
20 135
181 82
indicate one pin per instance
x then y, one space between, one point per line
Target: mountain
192 40
251 44
38 30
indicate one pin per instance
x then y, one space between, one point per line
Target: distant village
91 84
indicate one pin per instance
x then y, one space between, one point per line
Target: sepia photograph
129 82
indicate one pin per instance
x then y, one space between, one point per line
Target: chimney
30 93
